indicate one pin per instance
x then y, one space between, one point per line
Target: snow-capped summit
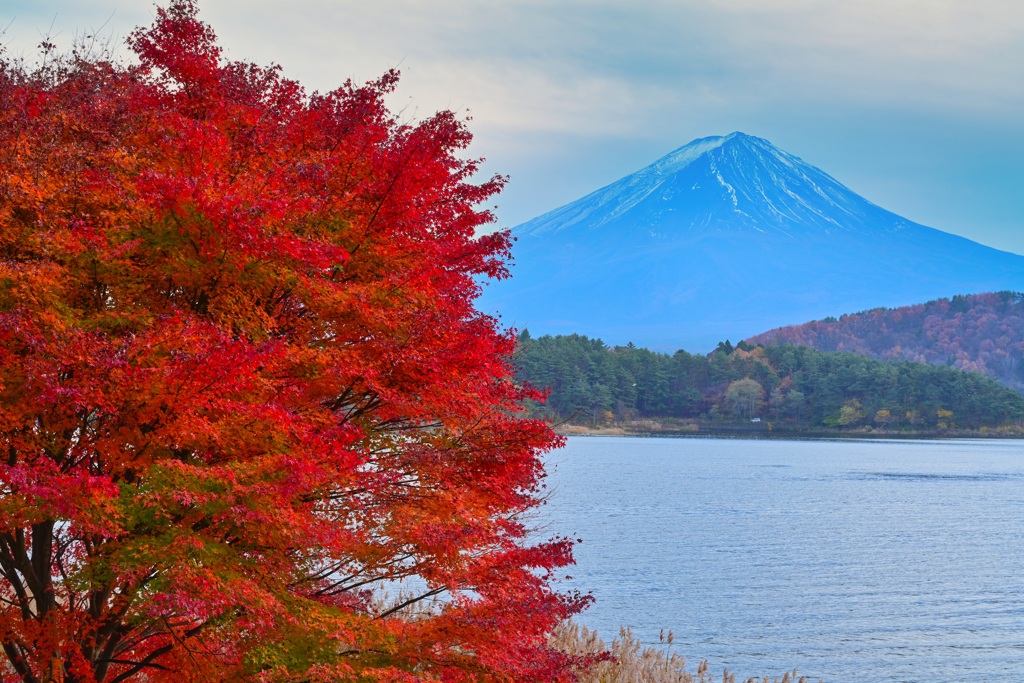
735 182
723 238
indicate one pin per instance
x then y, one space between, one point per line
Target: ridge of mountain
738 181
723 238
979 332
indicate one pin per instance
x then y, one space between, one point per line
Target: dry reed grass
631 662
626 661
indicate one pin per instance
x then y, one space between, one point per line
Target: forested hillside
793 387
979 332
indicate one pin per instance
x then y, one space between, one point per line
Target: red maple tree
243 386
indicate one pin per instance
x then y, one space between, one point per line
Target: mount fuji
724 238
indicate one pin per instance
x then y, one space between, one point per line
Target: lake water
866 561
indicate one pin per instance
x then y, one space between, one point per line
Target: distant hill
979 332
791 387
724 238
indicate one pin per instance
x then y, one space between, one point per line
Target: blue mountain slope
724 238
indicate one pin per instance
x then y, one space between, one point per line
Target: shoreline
768 431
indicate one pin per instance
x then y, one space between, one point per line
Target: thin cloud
569 94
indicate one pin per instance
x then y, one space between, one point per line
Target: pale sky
916 104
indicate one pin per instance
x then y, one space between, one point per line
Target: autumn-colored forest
793 387
978 332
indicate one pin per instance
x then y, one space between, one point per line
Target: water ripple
835 557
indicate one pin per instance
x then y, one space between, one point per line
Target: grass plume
631 662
